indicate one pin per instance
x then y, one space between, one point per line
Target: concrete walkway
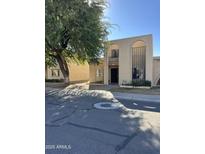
139 97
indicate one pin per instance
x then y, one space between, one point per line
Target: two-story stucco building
128 59
125 59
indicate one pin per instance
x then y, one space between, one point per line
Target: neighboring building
156 70
78 72
126 59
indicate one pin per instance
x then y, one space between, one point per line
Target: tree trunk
64 67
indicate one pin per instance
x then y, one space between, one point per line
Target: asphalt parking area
74 125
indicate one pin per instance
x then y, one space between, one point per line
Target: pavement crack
121 146
97 129
150 124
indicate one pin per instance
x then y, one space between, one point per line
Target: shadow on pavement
141 105
93 131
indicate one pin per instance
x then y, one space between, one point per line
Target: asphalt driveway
74 126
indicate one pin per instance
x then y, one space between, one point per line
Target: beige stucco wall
125 57
78 72
156 70
93 72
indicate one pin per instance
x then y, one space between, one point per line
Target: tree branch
52 49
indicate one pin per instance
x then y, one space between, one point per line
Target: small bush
147 83
136 83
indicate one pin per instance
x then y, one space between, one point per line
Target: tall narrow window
138 62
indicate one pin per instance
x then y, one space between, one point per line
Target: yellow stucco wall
78 72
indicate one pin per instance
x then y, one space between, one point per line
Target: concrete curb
137 97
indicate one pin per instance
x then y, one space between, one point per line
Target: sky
134 18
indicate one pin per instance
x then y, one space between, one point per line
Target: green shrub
136 83
147 83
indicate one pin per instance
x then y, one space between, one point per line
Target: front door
114 75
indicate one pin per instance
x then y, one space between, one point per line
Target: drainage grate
107 105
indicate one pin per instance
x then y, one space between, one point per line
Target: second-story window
115 53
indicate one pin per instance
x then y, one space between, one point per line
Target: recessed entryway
114 75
